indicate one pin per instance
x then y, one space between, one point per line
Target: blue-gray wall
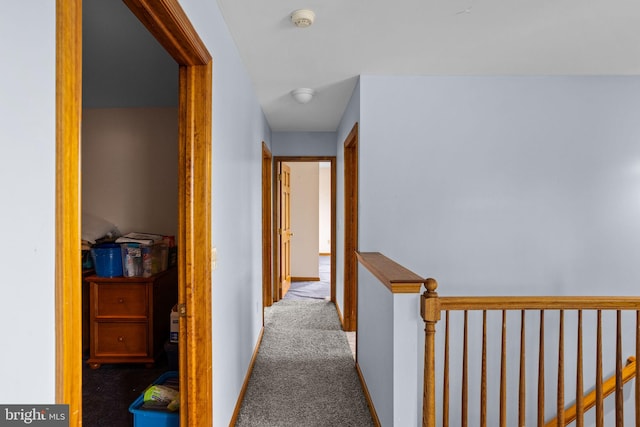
27 191
303 144
375 342
506 185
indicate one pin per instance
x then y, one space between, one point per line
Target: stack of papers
142 238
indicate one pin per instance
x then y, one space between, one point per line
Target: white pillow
95 227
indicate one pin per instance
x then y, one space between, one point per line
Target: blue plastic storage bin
107 260
151 417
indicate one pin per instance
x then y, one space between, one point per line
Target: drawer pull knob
120 338
121 300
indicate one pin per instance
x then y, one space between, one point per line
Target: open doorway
129 176
304 225
167 22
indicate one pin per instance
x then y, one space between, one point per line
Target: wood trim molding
365 390
305 279
334 201
245 384
398 279
339 314
167 22
68 273
304 159
351 230
194 241
267 227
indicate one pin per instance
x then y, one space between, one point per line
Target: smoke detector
302 18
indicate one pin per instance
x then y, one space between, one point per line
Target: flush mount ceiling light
303 94
302 18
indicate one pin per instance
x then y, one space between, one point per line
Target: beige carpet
304 375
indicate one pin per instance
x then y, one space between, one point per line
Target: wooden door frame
267 209
168 23
350 320
277 160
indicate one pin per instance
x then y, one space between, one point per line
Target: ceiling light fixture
302 18
303 95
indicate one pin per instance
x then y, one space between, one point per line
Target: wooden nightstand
129 317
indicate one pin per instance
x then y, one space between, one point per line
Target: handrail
539 303
398 279
432 305
609 386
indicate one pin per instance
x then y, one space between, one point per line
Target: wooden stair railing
431 308
589 400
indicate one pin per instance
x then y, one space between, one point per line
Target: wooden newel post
430 312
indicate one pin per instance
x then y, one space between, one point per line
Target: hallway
304 373
316 289
319 290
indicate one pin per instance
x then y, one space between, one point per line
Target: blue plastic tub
107 260
154 418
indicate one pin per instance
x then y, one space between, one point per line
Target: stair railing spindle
541 372
522 413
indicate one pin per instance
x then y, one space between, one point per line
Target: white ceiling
421 37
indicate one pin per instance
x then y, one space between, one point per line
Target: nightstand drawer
121 339
129 317
121 300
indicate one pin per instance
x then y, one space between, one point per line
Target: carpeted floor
314 290
304 373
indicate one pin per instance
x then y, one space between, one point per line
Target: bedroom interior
129 184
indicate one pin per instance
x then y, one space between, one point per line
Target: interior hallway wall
304 144
505 186
518 184
27 191
239 127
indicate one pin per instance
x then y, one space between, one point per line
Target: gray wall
27 189
303 144
375 342
506 185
